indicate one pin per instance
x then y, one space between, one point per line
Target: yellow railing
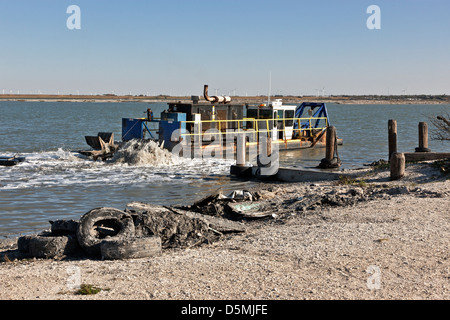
256 125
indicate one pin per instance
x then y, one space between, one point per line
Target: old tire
101 223
47 246
131 248
64 227
23 243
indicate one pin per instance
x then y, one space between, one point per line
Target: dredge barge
211 126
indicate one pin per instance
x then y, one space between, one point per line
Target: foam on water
136 162
138 152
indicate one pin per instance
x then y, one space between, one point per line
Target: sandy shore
384 240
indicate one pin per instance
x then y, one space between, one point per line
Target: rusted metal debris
103 146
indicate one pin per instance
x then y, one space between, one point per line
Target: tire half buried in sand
131 248
48 246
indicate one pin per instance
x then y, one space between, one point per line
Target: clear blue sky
176 46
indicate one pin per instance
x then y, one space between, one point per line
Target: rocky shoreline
369 238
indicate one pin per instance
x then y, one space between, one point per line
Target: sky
245 47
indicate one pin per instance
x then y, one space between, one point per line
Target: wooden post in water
392 133
423 138
331 145
397 163
330 161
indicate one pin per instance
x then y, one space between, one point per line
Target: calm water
57 183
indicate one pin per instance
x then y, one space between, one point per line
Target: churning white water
145 152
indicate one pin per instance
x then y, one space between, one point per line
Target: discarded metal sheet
250 209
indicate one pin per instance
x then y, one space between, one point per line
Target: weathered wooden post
330 141
423 138
392 133
330 160
397 163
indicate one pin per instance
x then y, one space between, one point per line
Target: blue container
132 129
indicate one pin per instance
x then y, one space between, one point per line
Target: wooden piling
331 160
330 143
397 163
392 136
423 138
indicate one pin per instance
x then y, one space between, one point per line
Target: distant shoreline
365 99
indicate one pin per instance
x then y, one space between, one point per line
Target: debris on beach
144 230
250 209
141 230
217 204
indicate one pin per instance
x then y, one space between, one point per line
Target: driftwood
179 228
446 121
441 128
216 223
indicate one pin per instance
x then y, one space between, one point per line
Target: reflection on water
302 157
